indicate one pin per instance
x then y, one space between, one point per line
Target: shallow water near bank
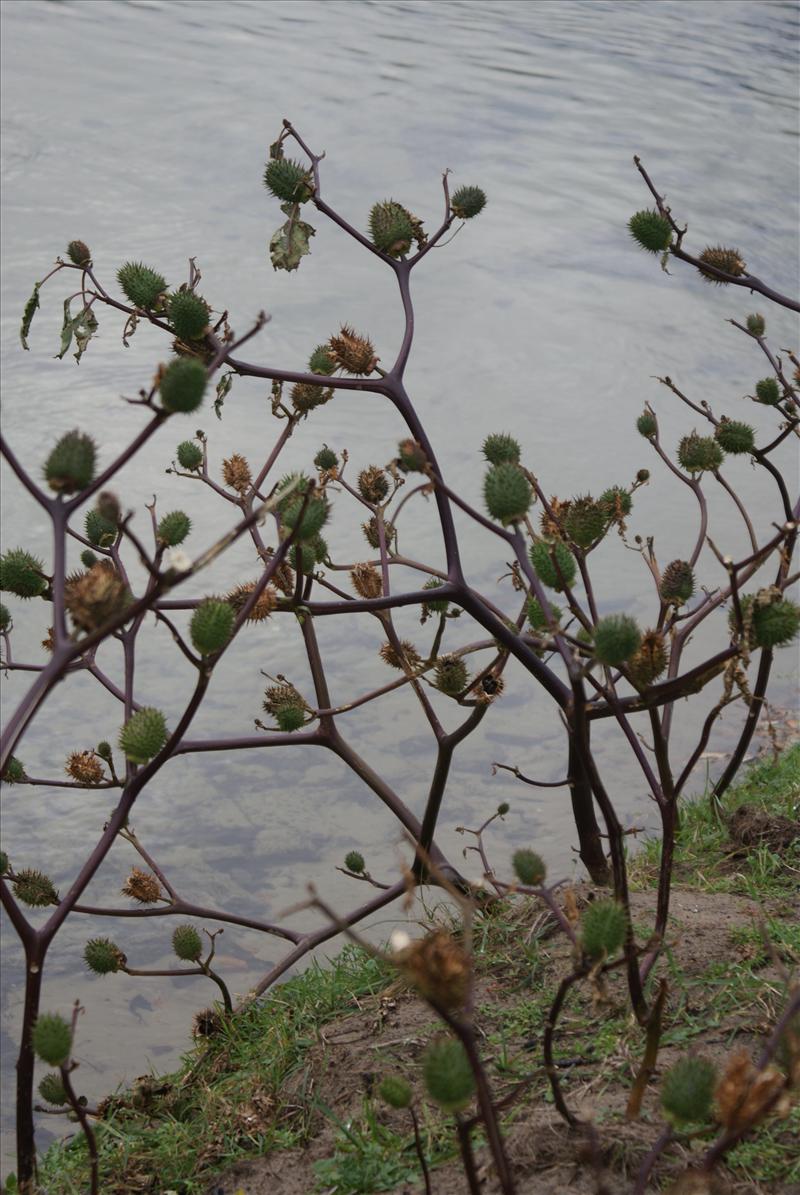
143 127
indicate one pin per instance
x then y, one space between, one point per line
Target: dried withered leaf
746 1095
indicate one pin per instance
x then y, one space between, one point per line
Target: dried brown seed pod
236 473
366 580
142 886
85 767
265 604
353 353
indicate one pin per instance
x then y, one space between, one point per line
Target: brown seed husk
142 886
746 1095
94 597
410 659
439 968
236 473
266 603
353 353
366 580
84 767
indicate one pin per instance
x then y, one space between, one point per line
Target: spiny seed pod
70 466
647 664
187 943
188 314
688 1089
697 453
735 437
776 624
302 558
104 751
79 254
756 324
448 1076
451 674
183 384
529 868
373 484
142 886
143 735
507 493
306 396
677 583
490 688
5 618
94 597
603 928
435 606
236 473
321 360
14 770
190 455
352 353
51 1038
646 425
103 956
555 575
395 1092
468 202
536 615
21 573
84 767
276 696
501 449
768 392
211 626
407 658
366 580
319 547
650 230
265 603
411 458
616 503
586 521
290 718
174 527
99 531
141 285
51 1089
438 967
308 521
288 180
391 227
371 535
616 638
207 1023
35 889
354 861
721 258
326 459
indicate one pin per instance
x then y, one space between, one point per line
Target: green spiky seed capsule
102 956
586 521
79 254
21 573
302 558
735 437
650 230
70 466
777 624
52 1038
768 392
729 261
646 425
507 493
211 626
529 868
395 1092
373 485
320 549
448 1076
411 458
541 554
677 582
616 638
35 889
14 771
141 285
187 943
5 617
104 750
688 1089
756 324
698 453
183 384
536 615
143 735
190 455
354 861
391 228
309 521
434 606
468 202
603 928
174 527
451 675
501 449
99 531
51 1089
288 180
616 503
326 459
290 718
321 361
188 314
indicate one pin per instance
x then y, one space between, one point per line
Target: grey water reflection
142 127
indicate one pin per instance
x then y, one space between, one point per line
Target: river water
142 128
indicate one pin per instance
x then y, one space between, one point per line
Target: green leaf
290 242
82 326
223 390
27 316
